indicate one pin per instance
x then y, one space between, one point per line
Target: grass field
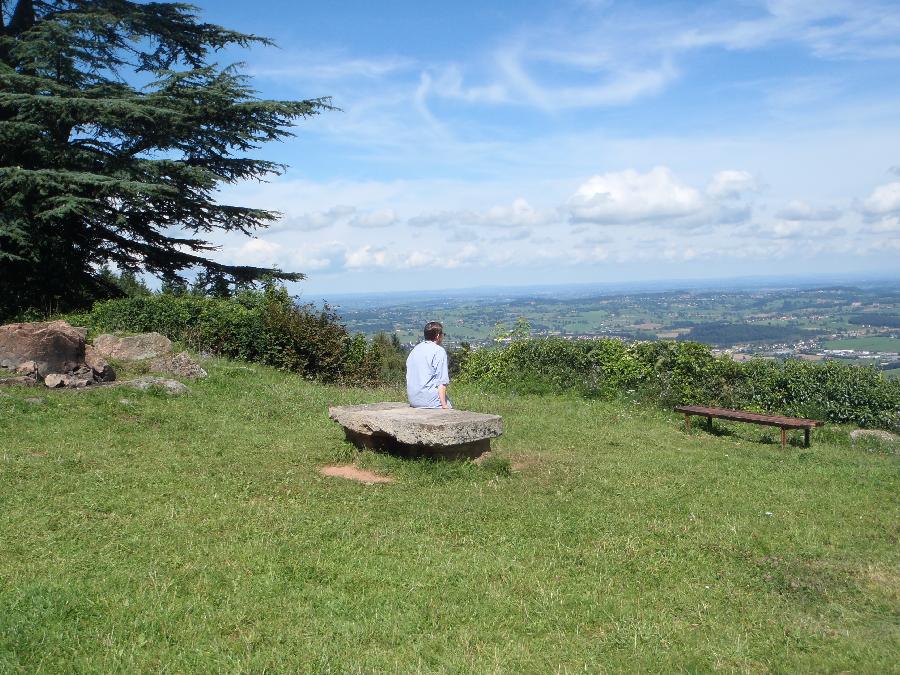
140 533
875 343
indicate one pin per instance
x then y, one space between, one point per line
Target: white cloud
316 220
325 256
796 230
370 256
614 56
306 66
615 84
731 184
519 214
376 240
367 256
257 252
520 234
836 29
631 197
797 210
448 83
375 219
884 201
727 214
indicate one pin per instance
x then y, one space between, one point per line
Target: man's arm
444 378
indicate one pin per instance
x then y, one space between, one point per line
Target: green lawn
145 533
875 343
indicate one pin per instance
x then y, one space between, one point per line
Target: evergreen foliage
116 129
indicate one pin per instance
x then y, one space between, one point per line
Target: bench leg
783 438
687 422
709 423
806 437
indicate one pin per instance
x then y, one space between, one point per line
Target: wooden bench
754 418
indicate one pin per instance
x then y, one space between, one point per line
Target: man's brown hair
433 329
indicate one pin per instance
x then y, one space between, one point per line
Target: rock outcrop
53 352
141 347
53 346
180 365
172 387
77 380
103 372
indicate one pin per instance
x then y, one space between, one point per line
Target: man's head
434 331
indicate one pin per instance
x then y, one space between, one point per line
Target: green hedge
261 326
687 373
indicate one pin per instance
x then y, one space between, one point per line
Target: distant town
858 323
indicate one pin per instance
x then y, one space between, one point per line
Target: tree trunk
22 18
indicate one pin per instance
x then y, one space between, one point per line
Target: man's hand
442 395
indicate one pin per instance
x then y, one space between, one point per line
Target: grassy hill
146 533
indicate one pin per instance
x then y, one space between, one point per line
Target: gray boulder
55 380
877 434
53 346
28 369
132 348
102 371
397 427
148 381
21 381
71 381
180 365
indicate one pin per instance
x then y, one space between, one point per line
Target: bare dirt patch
351 472
523 463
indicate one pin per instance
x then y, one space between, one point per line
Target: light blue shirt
426 370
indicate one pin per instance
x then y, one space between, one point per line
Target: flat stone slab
398 427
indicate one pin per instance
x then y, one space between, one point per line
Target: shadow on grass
424 470
795 438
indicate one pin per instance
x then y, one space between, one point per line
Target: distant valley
859 322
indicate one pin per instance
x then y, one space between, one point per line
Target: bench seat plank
784 423
745 416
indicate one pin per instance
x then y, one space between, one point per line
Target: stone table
418 432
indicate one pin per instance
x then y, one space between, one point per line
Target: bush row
267 326
264 326
672 373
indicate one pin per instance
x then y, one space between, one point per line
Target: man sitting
426 371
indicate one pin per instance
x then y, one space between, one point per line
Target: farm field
721 317
144 533
869 344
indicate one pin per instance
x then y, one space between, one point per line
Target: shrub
266 326
673 373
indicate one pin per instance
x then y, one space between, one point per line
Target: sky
512 143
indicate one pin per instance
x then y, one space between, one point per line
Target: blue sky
584 141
